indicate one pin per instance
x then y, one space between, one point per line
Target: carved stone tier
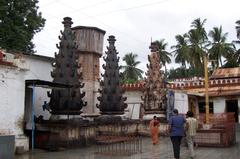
111 99
154 91
65 70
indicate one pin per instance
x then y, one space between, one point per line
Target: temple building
189 93
25 80
224 91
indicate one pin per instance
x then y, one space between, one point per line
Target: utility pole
206 88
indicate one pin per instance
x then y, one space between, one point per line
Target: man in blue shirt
176 129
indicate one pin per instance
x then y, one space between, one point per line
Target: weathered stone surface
111 99
154 93
70 100
108 119
161 151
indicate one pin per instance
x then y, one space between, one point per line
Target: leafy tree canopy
19 21
192 46
131 73
164 56
182 72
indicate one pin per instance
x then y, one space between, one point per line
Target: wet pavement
161 151
148 151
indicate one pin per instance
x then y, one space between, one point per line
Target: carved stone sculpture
154 93
111 100
67 101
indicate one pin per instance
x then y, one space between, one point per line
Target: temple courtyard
161 151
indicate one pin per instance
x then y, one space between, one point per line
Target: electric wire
83 8
106 13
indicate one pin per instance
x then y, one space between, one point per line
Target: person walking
176 129
154 124
191 129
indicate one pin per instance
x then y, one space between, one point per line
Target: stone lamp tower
111 99
154 91
67 101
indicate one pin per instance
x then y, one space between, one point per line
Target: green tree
238 29
19 21
198 25
181 50
231 60
182 72
164 56
193 46
131 73
237 53
197 43
219 47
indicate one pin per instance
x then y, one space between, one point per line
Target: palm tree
232 60
237 53
131 73
197 37
197 25
238 29
219 47
164 56
181 50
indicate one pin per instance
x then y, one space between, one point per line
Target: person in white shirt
191 130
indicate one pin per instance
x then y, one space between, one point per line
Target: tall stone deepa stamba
154 93
67 101
111 99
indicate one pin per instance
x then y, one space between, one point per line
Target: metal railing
119 145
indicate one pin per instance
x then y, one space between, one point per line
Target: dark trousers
176 142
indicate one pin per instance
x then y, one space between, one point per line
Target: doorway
232 106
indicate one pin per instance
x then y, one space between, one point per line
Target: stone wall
16 103
56 134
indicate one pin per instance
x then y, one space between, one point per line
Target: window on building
202 107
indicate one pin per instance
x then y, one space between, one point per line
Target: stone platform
161 151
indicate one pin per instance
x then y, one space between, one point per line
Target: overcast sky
134 22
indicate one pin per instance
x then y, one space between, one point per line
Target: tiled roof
216 91
200 83
223 82
226 73
229 84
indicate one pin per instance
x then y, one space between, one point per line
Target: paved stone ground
149 151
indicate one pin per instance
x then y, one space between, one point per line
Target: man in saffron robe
154 124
